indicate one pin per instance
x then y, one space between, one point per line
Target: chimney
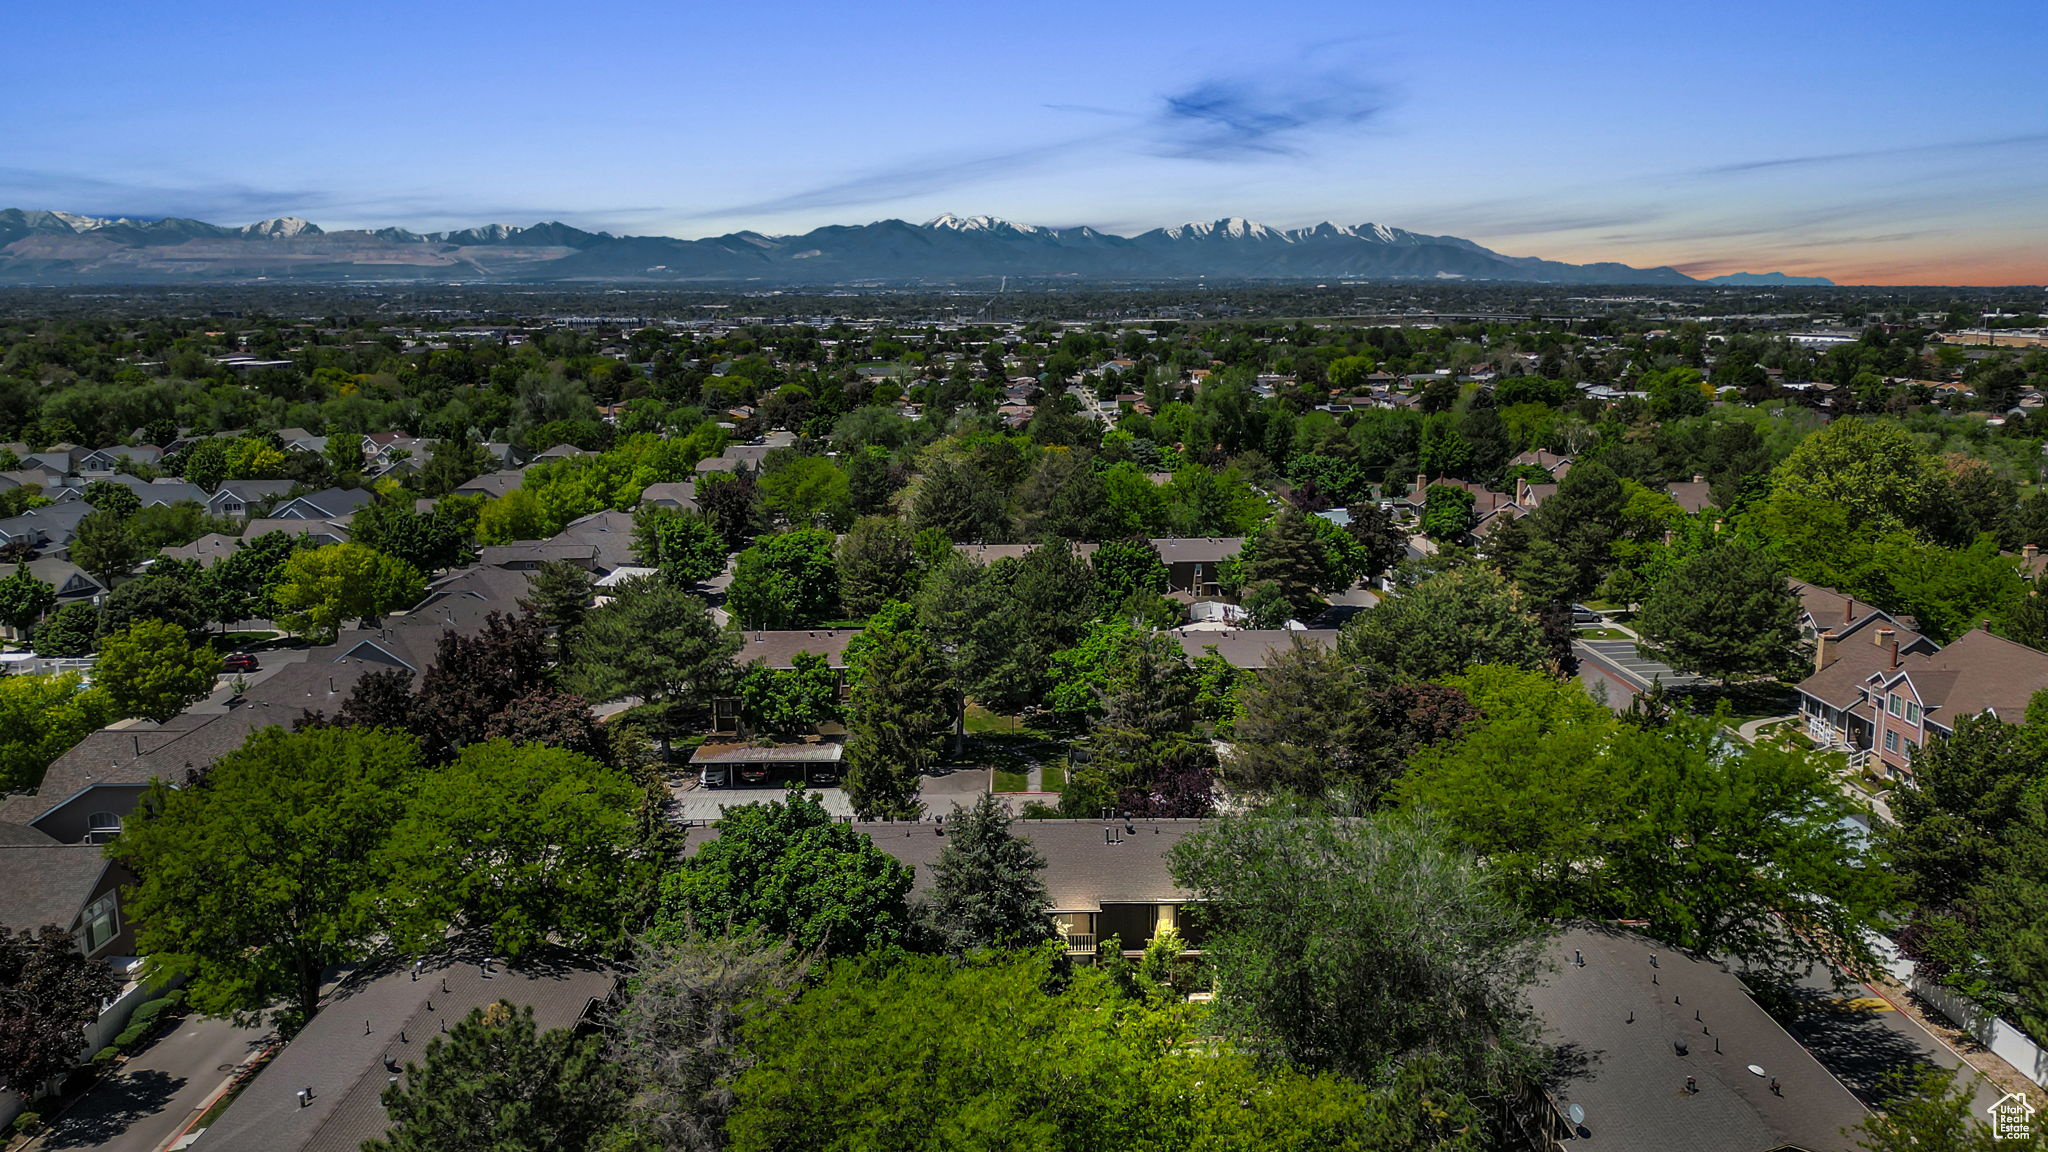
1698 479
1849 611
1521 492
1895 654
2029 552
1421 483
1820 650
1887 636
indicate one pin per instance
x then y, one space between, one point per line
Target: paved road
1093 407
1860 1037
157 1092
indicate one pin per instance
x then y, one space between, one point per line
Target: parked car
753 773
1584 615
714 776
240 662
824 776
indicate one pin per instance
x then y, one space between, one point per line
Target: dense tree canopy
788 869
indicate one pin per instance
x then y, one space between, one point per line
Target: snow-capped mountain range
64 247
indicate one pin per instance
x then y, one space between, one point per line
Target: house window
1891 740
1895 705
102 922
1912 712
101 827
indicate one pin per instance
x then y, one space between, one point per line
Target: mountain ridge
64 247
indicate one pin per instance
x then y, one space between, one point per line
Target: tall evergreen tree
1724 611
897 718
987 891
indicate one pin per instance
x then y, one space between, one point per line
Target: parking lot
1625 670
940 792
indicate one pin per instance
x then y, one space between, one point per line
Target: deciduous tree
150 669
785 581
49 993
259 882
789 870
1445 624
519 844
321 589
653 643
1354 946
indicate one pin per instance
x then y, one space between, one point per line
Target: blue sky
1880 142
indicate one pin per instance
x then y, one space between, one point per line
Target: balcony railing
1080 942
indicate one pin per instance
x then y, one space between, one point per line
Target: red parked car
240 662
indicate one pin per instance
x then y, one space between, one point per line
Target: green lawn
1052 776
1602 634
1011 781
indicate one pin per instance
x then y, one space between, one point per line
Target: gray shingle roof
1084 868
1633 1084
47 883
779 649
385 1015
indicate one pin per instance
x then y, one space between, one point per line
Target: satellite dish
1577 1113
1756 1069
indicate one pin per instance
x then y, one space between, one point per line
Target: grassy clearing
1602 634
1010 780
1052 777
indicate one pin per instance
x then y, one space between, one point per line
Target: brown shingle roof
1979 672
779 649
1251 648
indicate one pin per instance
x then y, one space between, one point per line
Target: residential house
733 457
491 484
74 886
778 651
1660 1050
1249 648
300 440
211 548
326 504
1105 878
240 499
51 526
321 532
1545 459
106 460
1924 695
324 1090
680 495
70 581
529 555
1694 495
86 794
504 455
384 452
1194 565
559 452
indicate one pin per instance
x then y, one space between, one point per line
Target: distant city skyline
1873 145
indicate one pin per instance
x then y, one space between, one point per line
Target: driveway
158 1091
1862 1038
